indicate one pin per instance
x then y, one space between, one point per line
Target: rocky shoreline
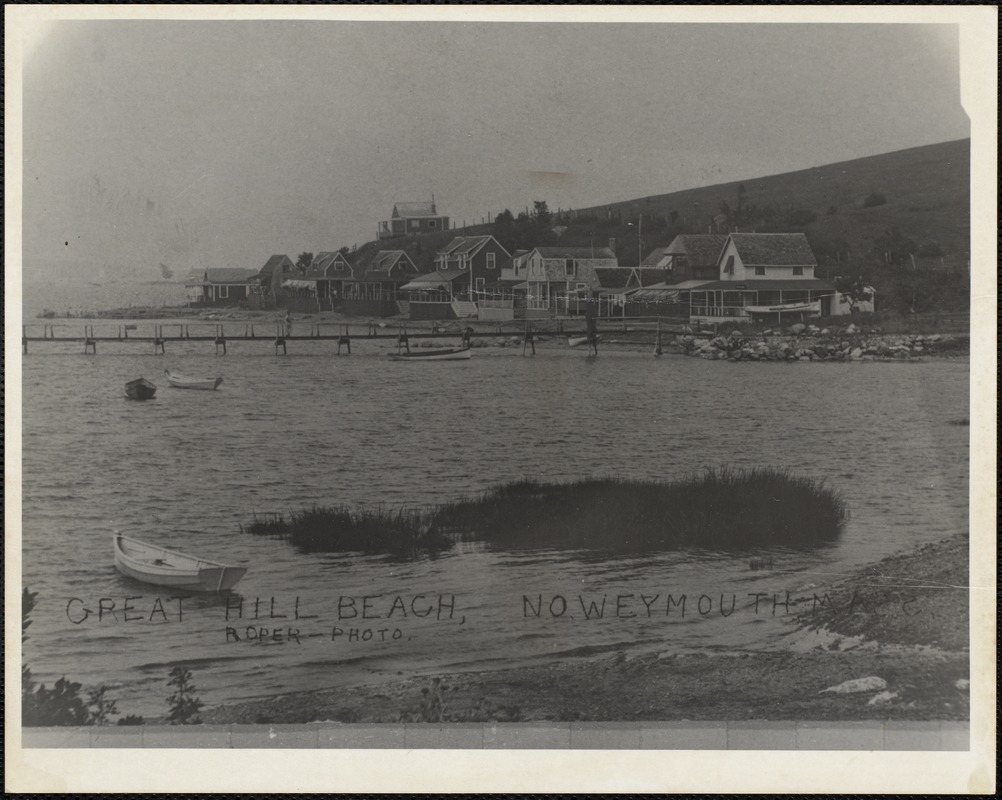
802 342
901 653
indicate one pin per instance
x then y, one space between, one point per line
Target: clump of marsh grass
267 525
718 509
725 508
399 532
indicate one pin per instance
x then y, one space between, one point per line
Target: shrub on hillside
874 199
800 217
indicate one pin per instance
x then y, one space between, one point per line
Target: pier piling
344 339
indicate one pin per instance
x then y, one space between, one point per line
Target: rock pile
802 342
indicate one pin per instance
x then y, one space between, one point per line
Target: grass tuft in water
718 508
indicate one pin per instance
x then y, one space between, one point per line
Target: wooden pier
159 335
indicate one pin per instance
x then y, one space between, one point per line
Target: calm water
185 469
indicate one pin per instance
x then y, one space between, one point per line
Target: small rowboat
577 341
140 389
451 354
179 381
151 564
813 307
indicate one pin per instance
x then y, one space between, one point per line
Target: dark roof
383 260
422 209
323 260
703 249
464 245
437 277
654 257
575 252
774 249
612 277
791 285
273 263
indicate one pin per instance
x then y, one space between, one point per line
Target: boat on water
179 381
140 389
449 354
151 564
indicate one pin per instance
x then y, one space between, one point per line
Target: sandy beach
898 629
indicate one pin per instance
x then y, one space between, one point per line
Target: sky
218 143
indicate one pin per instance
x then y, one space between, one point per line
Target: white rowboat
452 354
151 564
179 381
813 307
577 341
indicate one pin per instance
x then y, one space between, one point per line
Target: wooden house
689 257
222 286
552 274
270 276
478 258
329 272
408 219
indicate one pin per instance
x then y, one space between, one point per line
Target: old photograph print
522 375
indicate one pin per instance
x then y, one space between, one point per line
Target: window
798 270
414 224
569 267
729 266
490 261
480 284
760 270
433 223
224 292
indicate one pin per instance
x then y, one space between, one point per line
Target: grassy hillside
900 219
926 191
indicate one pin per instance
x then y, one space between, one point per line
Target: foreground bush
718 509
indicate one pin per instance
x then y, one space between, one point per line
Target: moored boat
577 341
813 307
179 381
140 389
450 354
151 564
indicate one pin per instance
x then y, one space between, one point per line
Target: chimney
612 245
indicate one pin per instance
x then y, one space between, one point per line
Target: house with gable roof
554 274
367 287
690 256
758 276
221 286
472 262
379 277
274 271
409 219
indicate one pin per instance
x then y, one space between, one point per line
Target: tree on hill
304 261
541 214
503 229
526 230
854 290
